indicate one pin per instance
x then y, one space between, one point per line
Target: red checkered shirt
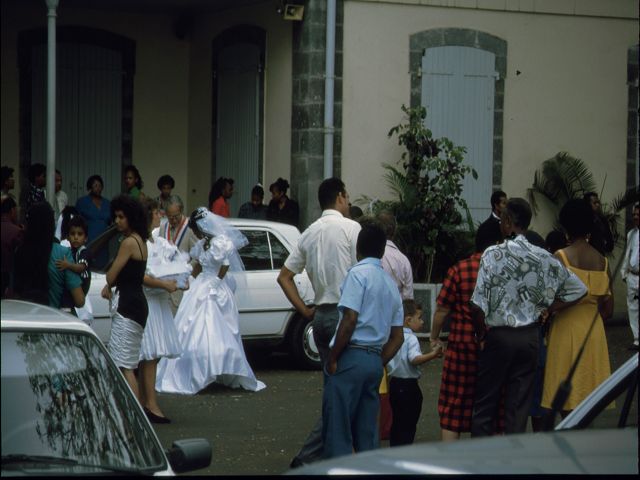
455 294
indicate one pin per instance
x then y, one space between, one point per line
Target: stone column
307 116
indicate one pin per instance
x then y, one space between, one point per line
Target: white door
238 119
458 86
89 116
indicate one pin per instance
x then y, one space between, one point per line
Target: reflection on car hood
568 452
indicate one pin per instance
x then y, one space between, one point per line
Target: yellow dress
568 330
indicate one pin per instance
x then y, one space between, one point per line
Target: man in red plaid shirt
455 404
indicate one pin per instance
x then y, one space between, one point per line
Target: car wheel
303 346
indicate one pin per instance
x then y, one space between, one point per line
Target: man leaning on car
516 282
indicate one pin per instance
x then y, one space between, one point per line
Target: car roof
608 451
18 314
289 232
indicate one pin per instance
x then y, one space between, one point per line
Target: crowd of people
162 338
520 307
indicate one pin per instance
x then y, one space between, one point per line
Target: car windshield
63 399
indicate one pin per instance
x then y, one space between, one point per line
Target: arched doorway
238 109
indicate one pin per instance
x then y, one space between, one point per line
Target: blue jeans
324 324
350 403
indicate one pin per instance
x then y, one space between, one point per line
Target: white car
266 316
67 409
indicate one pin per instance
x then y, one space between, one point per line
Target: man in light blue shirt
368 335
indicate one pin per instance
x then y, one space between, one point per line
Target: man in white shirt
394 262
326 249
629 272
516 283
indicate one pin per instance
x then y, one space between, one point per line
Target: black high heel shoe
153 418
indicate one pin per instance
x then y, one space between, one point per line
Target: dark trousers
350 403
406 404
508 360
324 326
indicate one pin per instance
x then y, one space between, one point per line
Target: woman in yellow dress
569 327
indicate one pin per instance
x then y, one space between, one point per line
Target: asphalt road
259 433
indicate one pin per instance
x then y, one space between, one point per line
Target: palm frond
562 177
399 185
625 199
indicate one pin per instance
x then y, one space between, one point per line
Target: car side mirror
189 454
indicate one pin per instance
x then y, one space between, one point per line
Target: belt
370 349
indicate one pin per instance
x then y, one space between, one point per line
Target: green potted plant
434 227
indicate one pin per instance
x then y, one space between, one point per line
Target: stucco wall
570 95
277 108
172 89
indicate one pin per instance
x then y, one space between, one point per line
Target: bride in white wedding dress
207 319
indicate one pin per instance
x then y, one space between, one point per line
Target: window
62 397
278 252
256 255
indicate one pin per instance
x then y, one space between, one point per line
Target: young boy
368 335
75 232
404 391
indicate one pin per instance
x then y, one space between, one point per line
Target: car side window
256 255
279 252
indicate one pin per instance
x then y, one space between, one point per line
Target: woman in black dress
281 208
129 307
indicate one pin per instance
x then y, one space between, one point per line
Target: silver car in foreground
600 436
67 409
267 318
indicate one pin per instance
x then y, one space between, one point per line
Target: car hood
612 451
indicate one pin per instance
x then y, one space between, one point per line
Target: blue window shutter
458 87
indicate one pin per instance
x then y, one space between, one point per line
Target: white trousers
632 304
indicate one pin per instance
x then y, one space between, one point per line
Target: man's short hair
371 241
35 170
257 190
488 234
410 307
388 223
587 196
175 200
328 192
166 180
520 212
496 196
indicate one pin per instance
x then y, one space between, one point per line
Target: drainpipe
328 88
51 99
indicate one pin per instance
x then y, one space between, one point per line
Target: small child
404 391
75 232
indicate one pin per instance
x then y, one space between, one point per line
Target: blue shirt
400 365
372 293
60 280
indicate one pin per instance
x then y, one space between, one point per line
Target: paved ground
259 433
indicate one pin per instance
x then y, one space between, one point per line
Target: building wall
565 88
172 89
277 109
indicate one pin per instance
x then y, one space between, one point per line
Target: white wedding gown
208 330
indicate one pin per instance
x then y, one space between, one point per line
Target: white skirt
212 351
160 337
125 341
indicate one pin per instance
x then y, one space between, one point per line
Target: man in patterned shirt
457 387
516 283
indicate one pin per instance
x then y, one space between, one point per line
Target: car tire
302 346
